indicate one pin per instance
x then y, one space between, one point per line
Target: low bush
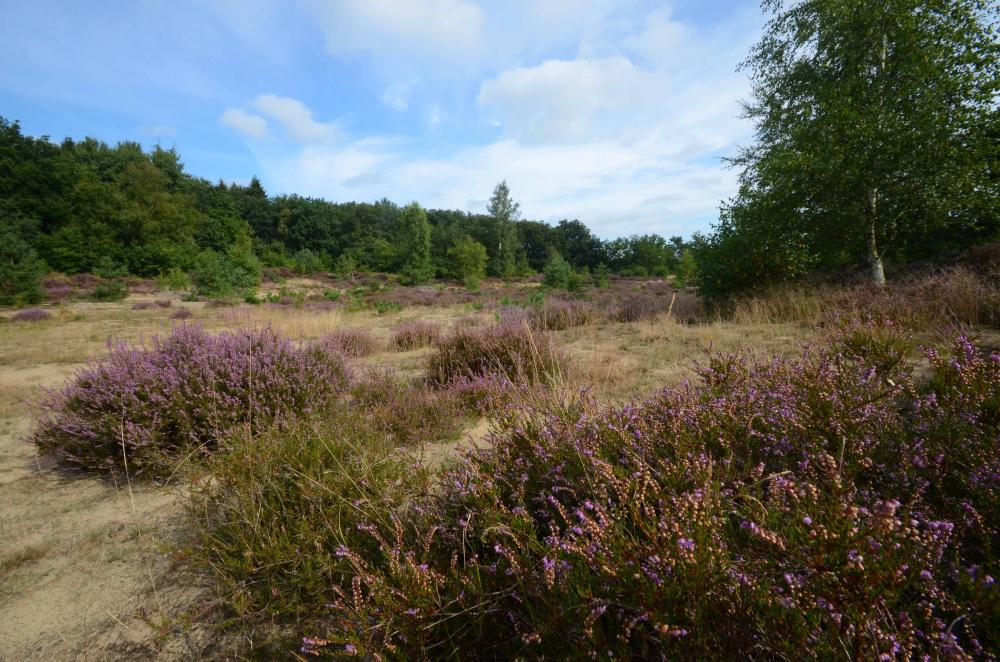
31 315
113 289
184 394
182 314
415 334
827 504
350 341
510 349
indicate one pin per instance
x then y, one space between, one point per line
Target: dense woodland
85 206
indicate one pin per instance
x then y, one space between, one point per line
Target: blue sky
612 112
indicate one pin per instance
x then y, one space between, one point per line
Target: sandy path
85 567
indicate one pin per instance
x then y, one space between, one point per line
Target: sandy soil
85 566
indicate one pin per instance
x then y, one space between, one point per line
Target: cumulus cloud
295 117
561 100
250 125
429 30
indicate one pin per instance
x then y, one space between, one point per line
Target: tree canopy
876 125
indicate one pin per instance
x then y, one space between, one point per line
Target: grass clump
558 314
151 406
284 518
350 341
510 349
415 334
407 414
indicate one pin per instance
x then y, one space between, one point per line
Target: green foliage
114 289
345 266
224 274
174 280
558 273
415 245
89 201
504 211
876 128
468 260
21 269
687 269
306 262
601 277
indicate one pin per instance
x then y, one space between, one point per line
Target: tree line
86 206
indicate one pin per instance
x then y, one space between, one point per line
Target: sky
613 112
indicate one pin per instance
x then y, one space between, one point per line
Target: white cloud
397 95
561 100
295 117
250 125
430 30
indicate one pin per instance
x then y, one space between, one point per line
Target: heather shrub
152 406
181 314
508 348
31 315
407 414
827 504
350 341
415 334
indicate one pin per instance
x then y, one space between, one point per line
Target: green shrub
174 280
110 290
223 274
21 271
468 258
558 273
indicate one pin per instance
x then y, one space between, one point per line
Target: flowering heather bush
557 314
185 393
827 504
350 341
182 314
31 315
415 334
407 414
508 348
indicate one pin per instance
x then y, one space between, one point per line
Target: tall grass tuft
149 407
510 349
350 341
415 334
